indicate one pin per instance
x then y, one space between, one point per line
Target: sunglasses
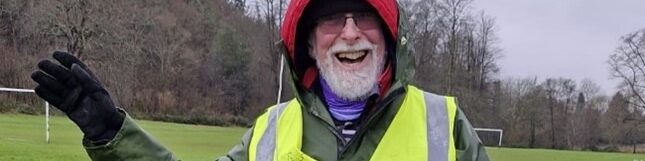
334 24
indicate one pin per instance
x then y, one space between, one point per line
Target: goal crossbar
46 107
501 133
17 90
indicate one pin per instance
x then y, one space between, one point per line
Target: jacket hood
303 69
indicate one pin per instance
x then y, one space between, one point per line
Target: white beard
351 85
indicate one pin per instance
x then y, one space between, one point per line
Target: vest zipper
361 130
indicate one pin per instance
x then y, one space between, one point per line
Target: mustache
342 46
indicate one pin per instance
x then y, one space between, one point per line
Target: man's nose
350 32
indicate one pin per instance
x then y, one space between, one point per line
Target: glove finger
89 84
67 59
49 82
50 96
82 76
59 72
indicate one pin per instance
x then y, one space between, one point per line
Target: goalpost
500 131
46 108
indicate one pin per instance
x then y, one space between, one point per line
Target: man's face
349 49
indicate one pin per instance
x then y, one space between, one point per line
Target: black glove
72 88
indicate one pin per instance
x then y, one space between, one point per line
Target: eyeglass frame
334 24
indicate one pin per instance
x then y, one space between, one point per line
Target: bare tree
628 65
588 114
486 52
70 21
524 104
560 92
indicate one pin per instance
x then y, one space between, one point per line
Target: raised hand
73 88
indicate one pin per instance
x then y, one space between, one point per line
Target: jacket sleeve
468 145
131 143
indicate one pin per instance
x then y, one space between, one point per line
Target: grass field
510 154
22 139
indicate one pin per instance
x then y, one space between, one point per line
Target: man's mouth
351 57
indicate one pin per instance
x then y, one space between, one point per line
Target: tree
587 117
613 119
560 94
71 21
456 50
233 57
524 109
628 65
151 55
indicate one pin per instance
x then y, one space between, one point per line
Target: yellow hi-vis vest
422 129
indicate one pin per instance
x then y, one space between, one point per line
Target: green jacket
320 138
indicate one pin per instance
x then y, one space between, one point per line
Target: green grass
512 154
22 139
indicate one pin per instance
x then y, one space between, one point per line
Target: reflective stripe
266 145
452 113
437 127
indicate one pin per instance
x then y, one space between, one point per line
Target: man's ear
310 47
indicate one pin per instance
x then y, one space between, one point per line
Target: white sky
562 38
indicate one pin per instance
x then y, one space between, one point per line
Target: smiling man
350 67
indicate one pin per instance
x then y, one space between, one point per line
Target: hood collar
303 69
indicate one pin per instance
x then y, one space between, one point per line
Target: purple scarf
340 108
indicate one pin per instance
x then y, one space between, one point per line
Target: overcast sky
562 38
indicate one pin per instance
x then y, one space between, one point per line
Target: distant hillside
196 61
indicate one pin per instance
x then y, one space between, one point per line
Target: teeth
351 55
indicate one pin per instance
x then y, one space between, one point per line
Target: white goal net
46 107
490 136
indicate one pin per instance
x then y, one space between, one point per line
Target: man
350 67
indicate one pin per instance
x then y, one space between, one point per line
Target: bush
602 148
611 148
593 148
13 107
